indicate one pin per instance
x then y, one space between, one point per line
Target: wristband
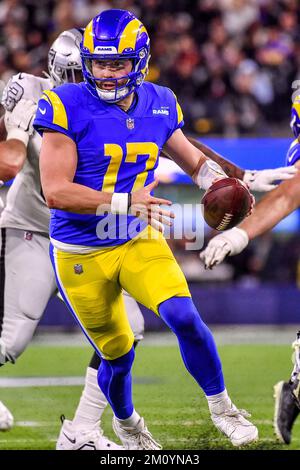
119 203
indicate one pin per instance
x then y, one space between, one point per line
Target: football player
267 213
101 142
25 265
25 230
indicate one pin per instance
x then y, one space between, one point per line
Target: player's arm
193 161
17 130
60 191
256 180
270 210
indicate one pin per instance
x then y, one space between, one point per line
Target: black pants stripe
2 275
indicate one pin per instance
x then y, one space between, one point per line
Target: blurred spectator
231 62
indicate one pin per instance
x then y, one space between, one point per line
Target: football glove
18 122
264 180
231 242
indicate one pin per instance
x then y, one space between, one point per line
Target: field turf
174 408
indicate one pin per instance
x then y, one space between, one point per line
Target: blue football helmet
295 117
115 35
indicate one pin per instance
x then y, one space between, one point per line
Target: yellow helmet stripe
129 35
88 39
59 111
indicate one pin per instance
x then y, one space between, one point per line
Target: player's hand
264 180
147 207
231 242
21 117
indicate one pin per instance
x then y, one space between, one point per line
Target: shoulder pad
23 86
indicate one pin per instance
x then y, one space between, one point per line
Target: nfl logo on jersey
130 123
78 269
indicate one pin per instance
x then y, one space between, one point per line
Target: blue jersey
117 152
293 154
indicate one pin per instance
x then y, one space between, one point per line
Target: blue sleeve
52 113
293 154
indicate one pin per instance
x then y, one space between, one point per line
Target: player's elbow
11 170
52 198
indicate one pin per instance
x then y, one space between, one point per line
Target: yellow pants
92 284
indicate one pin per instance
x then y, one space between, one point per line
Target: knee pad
117 346
181 315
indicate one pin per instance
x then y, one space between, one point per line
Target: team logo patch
28 236
130 123
78 269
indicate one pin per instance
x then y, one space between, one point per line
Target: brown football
226 203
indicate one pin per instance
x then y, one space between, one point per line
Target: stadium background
232 64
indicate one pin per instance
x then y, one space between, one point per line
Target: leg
151 274
93 401
97 304
27 283
287 399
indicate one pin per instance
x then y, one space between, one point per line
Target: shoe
286 410
137 438
233 424
6 418
71 438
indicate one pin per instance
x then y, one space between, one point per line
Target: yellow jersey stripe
179 113
128 38
88 39
59 111
45 97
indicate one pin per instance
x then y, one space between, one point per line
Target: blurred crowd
230 62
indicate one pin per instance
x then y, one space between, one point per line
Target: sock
114 379
219 403
92 402
196 342
130 422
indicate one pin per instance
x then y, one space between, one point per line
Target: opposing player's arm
270 210
263 180
273 207
61 192
12 157
17 130
192 160
230 168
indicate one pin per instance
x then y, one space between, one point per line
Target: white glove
18 122
263 180
231 242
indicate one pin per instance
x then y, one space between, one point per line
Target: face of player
107 69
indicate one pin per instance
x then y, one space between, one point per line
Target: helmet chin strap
112 96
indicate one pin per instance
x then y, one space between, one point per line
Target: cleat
286 410
233 424
135 438
79 439
6 418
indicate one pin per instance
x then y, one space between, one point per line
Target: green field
174 408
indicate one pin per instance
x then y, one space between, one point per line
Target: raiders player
26 275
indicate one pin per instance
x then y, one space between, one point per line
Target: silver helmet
64 57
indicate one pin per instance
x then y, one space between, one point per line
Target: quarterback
272 208
101 142
27 278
